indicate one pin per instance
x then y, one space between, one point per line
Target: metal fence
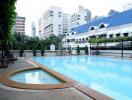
121 49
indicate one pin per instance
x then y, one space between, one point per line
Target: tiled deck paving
8 93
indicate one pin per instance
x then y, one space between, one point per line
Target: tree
7 20
7 17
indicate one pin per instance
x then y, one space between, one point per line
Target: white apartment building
127 6
19 26
82 16
66 23
40 26
33 29
117 25
51 22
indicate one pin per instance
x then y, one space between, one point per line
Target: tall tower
19 26
51 22
33 30
82 16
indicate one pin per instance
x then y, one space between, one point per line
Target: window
77 23
118 35
92 28
51 14
59 15
102 26
78 18
59 12
72 33
125 34
51 11
111 35
93 36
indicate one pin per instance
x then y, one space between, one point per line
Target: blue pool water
36 76
110 76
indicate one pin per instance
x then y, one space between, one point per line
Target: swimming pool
35 76
109 76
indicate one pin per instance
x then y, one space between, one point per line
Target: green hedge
103 40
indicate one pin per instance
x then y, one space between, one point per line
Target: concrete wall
118 53
28 53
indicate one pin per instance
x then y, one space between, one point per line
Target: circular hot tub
33 78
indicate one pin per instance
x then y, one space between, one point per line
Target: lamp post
122 47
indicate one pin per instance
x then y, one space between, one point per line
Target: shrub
42 51
34 52
78 50
21 52
69 50
86 50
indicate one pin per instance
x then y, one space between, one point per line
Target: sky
33 9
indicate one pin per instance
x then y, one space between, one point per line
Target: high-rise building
51 22
33 29
82 16
40 26
127 6
19 26
96 18
66 23
112 12
54 21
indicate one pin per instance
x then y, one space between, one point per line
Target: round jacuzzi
34 78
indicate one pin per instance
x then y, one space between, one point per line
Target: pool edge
5 79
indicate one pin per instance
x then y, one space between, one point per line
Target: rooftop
113 20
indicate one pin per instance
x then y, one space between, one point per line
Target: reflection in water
108 75
37 76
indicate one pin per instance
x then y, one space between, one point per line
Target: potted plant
78 50
21 52
34 52
86 50
69 50
42 51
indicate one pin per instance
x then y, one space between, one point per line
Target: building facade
33 30
40 27
51 22
55 22
127 6
19 26
82 16
66 23
117 25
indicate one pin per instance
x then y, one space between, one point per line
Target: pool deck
71 93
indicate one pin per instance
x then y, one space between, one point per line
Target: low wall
118 53
29 53
82 52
